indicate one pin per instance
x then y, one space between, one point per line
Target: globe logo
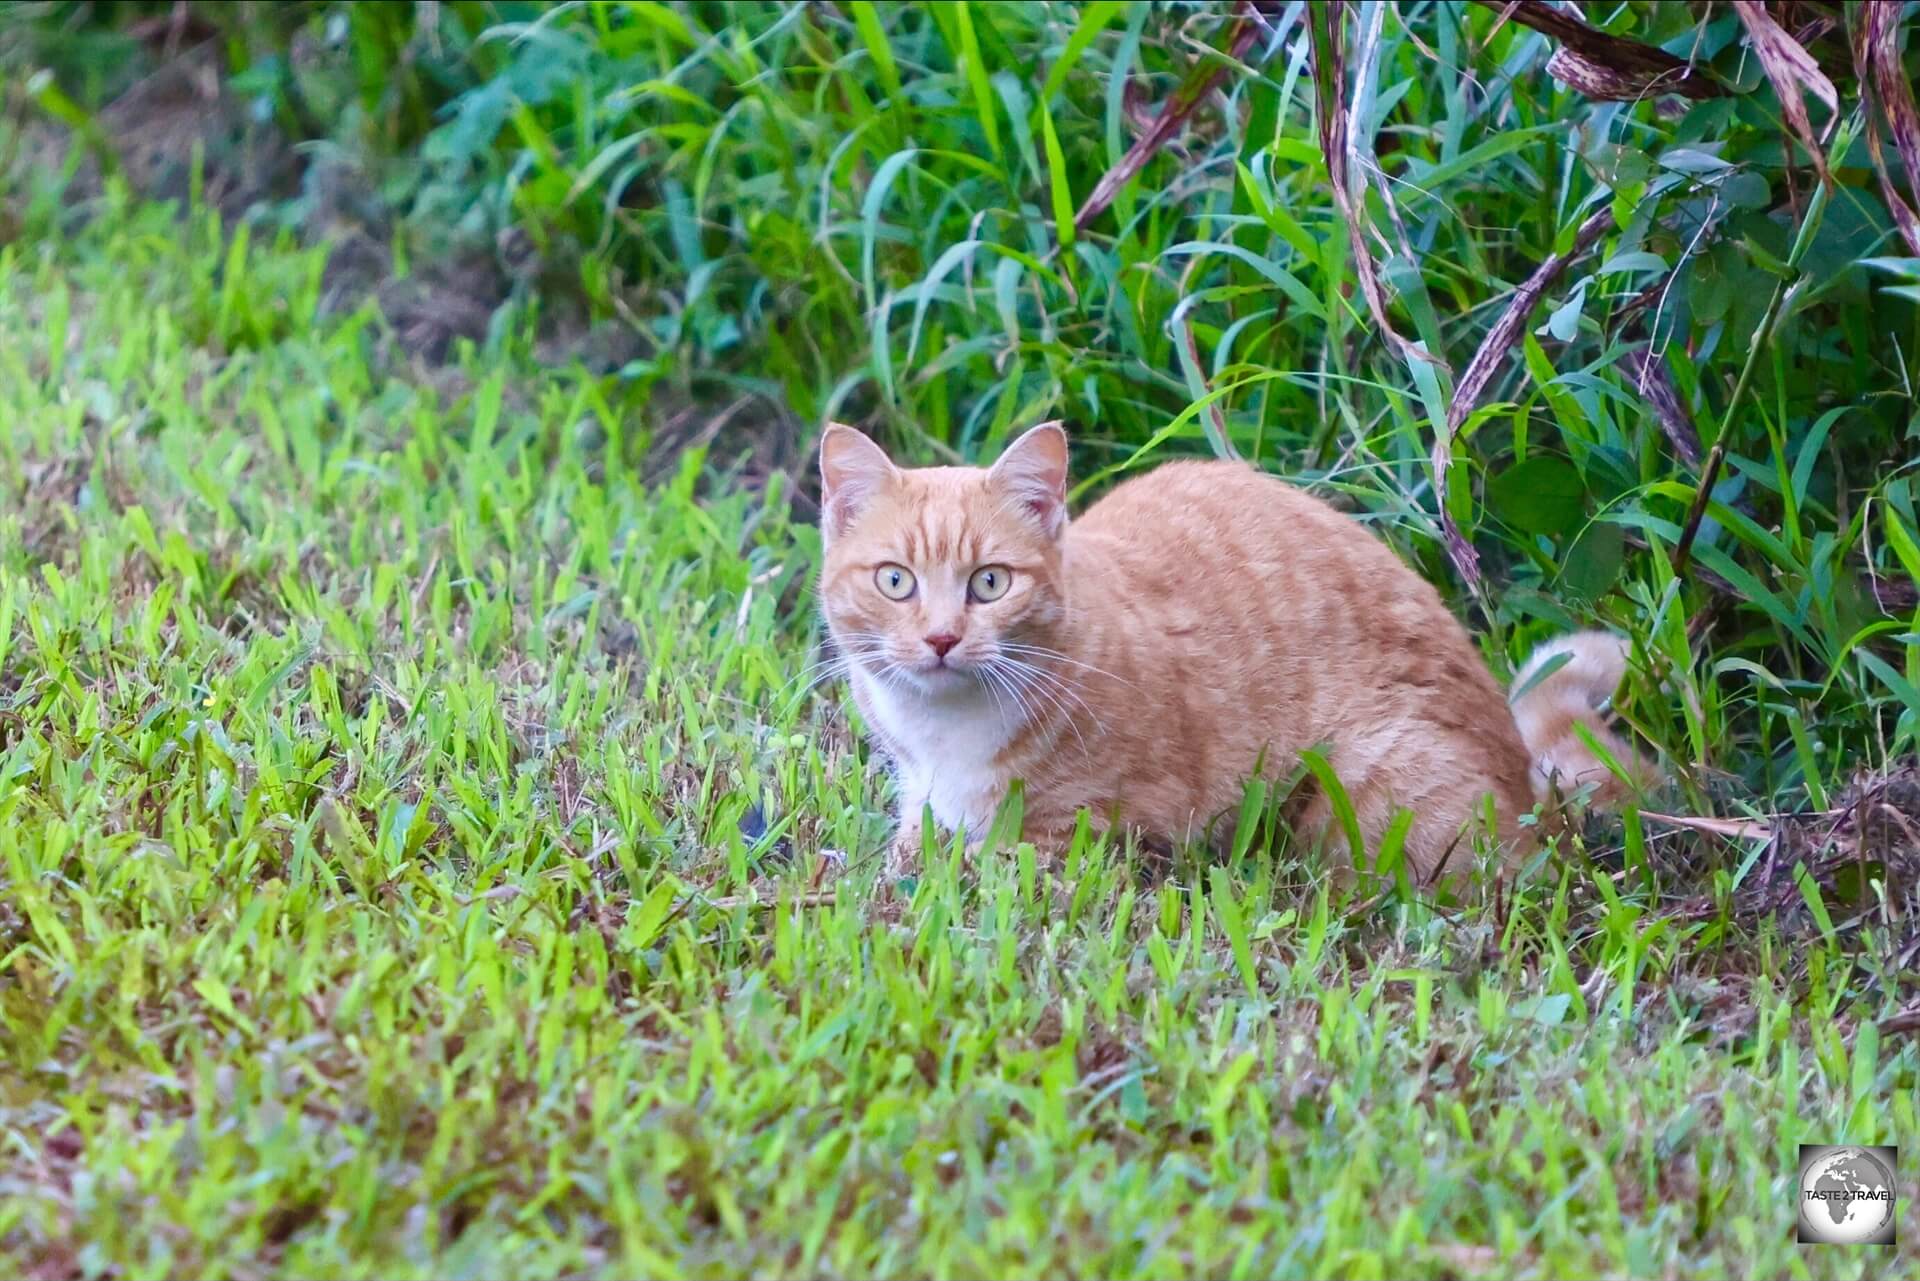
1846 1195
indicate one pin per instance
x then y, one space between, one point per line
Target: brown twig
1710 473
1606 66
1731 828
1655 385
1199 83
1500 338
1327 31
1791 68
1691 530
1876 60
1907 1020
1479 372
1339 118
817 898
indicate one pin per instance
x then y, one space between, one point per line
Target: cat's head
943 578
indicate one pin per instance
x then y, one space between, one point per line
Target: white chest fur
947 744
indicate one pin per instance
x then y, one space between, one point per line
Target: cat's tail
1568 681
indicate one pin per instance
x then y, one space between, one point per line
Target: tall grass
867 213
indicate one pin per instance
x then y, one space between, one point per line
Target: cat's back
1190 489
1222 563
1196 512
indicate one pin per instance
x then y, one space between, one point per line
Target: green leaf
975 69
1323 772
1635 260
1893 680
1220 1101
1013 95
647 919
1594 561
1564 321
1288 283
1057 180
1543 495
1548 1011
1423 178
664 19
875 38
1710 281
1747 190
1903 544
1810 894
1810 451
1233 925
1619 166
1093 21
870 207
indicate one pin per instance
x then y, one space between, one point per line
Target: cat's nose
942 642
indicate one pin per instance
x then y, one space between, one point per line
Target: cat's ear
1033 471
852 471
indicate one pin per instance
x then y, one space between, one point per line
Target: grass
421 854
375 758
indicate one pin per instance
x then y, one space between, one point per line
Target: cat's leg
975 837
903 855
1050 842
914 784
906 851
1444 837
1052 832
1373 809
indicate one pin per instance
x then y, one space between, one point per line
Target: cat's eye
989 582
894 581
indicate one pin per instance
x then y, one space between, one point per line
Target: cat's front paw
906 855
903 856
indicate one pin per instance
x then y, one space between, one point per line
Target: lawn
424 857
427 849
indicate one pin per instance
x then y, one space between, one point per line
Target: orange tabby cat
1142 661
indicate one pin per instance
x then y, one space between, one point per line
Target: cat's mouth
945 672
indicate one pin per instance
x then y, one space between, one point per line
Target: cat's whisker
1066 712
892 675
1041 651
995 683
1067 702
1052 680
1030 714
827 675
806 680
839 659
1023 677
1065 716
818 673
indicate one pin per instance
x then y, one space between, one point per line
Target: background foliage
785 213
370 310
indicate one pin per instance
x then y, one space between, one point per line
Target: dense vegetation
422 852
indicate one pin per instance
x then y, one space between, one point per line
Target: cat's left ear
1033 470
853 471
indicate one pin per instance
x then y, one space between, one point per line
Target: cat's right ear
1033 470
852 471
